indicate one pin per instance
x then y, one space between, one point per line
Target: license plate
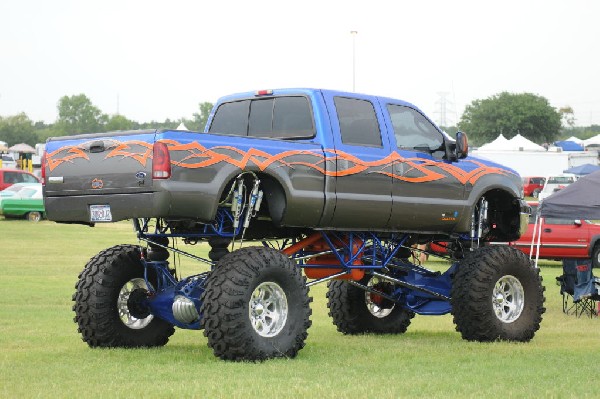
100 213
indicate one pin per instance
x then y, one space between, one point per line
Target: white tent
182 126
517 143
575 140
499 143
592 141
520 143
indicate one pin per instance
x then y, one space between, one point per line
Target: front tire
255 306
105 302
356 311
497 294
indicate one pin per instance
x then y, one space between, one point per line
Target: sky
153 60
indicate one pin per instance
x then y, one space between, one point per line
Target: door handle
547 230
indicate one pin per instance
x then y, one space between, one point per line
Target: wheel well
503 215
273 196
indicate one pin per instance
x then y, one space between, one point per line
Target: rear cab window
284 117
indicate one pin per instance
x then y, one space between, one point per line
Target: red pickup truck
562 238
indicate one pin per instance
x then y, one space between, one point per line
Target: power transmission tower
444 107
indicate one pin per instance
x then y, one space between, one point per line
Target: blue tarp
569 145
585 169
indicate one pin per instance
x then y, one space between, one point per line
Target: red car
8 177
560 239
532 185
563 238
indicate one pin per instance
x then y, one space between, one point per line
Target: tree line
505 113
77 114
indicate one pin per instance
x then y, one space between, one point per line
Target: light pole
354 33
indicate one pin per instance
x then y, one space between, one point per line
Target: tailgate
101 177
92 164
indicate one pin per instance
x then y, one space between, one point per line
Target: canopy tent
569 145
22 148
592 140
579 200
3 146
182 126
517 143
584 169
521 143
499 143
575 140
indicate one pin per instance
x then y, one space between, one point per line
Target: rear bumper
122 206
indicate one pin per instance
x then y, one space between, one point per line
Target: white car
554 184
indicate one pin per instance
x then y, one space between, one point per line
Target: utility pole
354 33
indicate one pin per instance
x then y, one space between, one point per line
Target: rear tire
356 311
497 294
596 257
34 216
255 306
105 302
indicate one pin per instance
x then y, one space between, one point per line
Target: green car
27 202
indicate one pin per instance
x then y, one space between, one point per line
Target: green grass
42 355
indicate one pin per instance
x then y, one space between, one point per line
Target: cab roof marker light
264 92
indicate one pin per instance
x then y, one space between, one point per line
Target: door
363 182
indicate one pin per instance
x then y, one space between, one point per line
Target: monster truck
342 186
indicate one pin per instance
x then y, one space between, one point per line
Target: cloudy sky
152 60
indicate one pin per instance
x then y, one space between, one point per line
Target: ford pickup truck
343 186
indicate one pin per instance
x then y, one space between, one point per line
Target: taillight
161 161
44 165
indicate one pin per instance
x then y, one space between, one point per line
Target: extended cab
325 159
341 185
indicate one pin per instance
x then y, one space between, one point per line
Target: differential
184 310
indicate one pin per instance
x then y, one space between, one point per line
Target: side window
413 130
29 179
358 122
13 177
231 118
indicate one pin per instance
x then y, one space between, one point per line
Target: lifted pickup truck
341 185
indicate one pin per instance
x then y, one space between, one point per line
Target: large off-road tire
497 294
356 311
255 306
105 302
596 257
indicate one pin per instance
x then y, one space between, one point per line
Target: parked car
8 161
554 184
8 177
562 238
15 188
27 202
532 185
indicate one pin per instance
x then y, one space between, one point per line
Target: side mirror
577 222
462 145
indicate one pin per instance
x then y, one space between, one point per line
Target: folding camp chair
579 289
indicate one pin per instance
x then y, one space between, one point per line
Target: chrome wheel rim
268 309
124 313
372 306
508 299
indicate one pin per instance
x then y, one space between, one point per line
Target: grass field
42 355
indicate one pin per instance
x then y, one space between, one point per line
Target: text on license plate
100 213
